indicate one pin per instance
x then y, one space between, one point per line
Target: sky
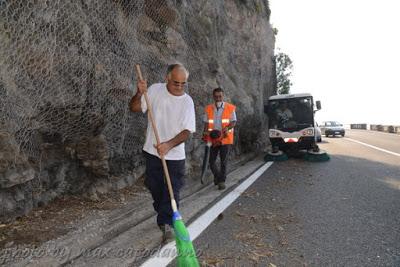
344 52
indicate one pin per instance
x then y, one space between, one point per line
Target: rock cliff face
67 75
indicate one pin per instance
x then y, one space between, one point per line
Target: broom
186 255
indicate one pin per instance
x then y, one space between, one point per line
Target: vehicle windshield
333 123
291 114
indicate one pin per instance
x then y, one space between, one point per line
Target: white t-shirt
284 115
172 114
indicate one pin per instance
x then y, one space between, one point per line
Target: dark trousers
155 182
219 174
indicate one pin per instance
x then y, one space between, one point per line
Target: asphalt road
345 212
383 140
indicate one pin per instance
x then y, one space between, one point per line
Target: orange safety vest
226 119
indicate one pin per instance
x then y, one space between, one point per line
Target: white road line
374 147
168 252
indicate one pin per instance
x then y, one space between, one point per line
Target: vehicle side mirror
318 103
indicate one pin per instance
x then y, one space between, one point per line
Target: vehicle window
291 114
333 124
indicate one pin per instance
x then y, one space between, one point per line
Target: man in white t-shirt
284 115
174 116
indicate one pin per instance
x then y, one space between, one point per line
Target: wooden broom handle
164 163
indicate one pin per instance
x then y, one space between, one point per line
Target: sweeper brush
276 156
316 155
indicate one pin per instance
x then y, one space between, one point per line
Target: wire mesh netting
67 67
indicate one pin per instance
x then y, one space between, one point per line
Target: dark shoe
216 179
167 234
221 186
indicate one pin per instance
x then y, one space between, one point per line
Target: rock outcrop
67 75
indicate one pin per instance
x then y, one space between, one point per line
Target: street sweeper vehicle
292 127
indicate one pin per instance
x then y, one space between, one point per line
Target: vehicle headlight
274 133
308 132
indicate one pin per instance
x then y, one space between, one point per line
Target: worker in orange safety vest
219 117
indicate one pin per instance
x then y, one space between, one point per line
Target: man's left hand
163 148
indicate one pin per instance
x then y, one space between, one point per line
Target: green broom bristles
186 255
316 157
278 157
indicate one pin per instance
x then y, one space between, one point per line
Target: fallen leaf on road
213 261
253 257
250 238
263 253
239 214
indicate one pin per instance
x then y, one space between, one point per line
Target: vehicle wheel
319 140
326 135
342 134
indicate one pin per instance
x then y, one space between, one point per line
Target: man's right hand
142 86
135 104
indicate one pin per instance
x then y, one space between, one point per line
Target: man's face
218 97
176 82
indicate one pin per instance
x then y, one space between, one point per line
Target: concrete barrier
362 126
385 128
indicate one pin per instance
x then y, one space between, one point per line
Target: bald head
174 68
177 76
